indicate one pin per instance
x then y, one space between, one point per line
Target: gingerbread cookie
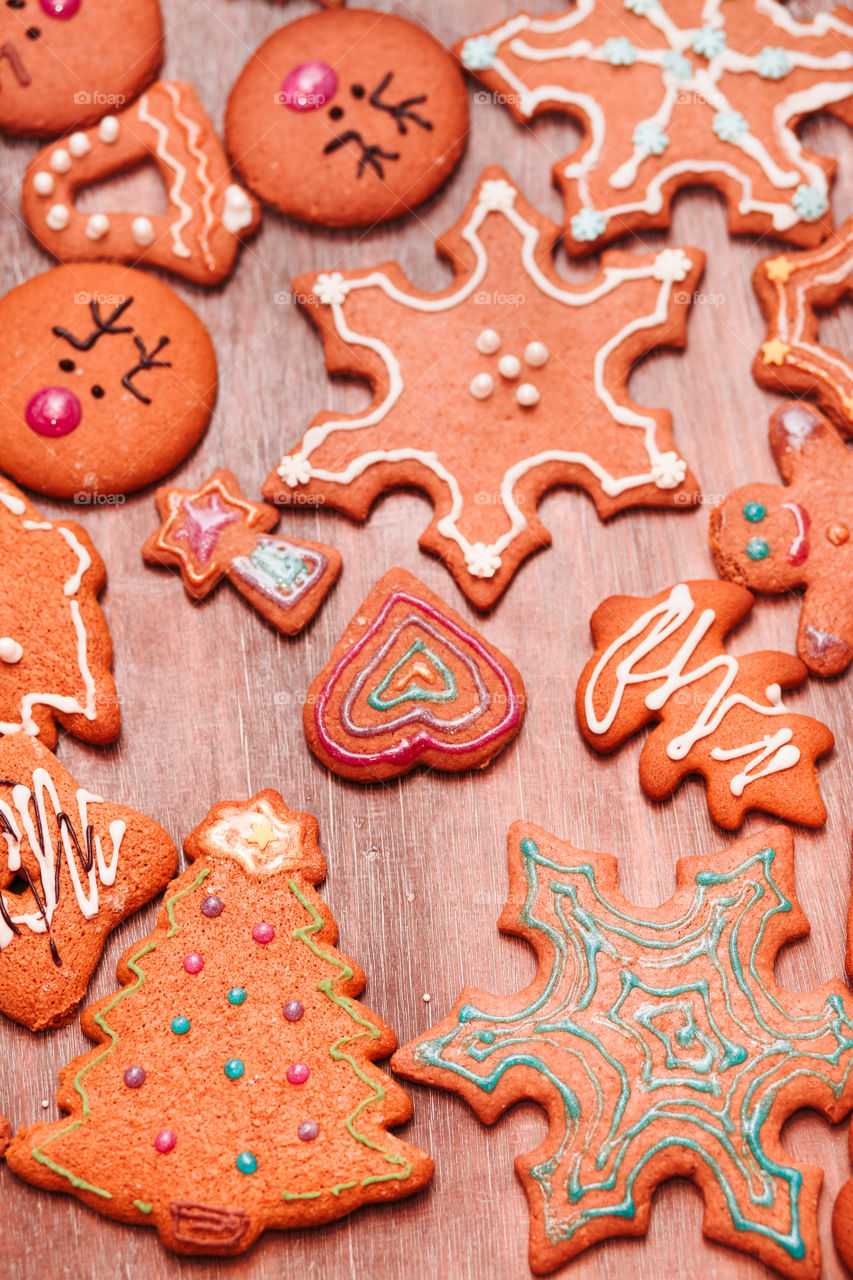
208 213
83 865
471 386
773 539
240 981
66 63
348 118
214 532
107 380
5 1136
55 647
677 93
663 659
410 682
660 1046
792 288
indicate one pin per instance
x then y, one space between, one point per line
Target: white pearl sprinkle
60 161
488 342
79 144
108 129
43 183
536 354
10 650
97 226
482 386
527 395
509 367
58 217
142 230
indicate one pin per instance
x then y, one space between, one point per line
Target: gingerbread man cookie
240 987
471 387
792 289
214 532
659 1044
208 213
82 866
664 660
55 648
348 118
677 93
410 682
107 380
66 63
773 539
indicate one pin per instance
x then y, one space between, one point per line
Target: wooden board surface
417 869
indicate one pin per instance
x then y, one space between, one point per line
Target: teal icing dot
650 138
180 1025
810 202
589 224
619 51
479 53
677 65
757 548
487 1037
234 1068
772 63
708 42
236 995
754 512
246 1162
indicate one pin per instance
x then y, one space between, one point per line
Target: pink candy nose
60 8
53 411
309 86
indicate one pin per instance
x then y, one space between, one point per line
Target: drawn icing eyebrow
400 111
101 326
146 361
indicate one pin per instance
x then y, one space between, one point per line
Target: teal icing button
757 549
754 512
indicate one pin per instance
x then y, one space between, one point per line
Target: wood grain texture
417 868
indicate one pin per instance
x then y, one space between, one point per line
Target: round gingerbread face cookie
66 63
107 380
347 118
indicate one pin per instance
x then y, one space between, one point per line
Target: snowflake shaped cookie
660 1045
678 94
508 383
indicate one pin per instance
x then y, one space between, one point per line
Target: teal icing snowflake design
588 224
641 7
708 42
650 138
677 64
659 1042
479 53
619 52
773 64
810 202
730 126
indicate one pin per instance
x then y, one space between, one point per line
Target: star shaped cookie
485 395
676 93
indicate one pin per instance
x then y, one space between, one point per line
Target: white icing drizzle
702 84
20 818
193 130
235 836
237 212
666 470
662 621
185 213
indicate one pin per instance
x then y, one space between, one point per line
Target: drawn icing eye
757 549
754 512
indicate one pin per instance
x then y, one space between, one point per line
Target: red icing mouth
798 551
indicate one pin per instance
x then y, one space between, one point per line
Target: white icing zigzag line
672 614
59 702
101 870
668 470
179 249
193 131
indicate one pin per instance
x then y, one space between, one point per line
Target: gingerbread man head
66 63
774 538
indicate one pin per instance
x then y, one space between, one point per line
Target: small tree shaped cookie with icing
241 988
775 538
664 659
83 865
55 648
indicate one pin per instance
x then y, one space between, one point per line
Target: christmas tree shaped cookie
410 682
773 539
658 1042
232 1087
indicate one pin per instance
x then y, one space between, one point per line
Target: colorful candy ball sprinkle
165 1141
211 906
308 1130
263 932
134 1077
246 1162
294 1010
193 963
234 1068
180 1025
298 1073
236 995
